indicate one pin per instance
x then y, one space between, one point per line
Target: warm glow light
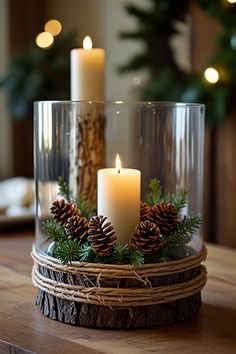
118 163
44 40
53 27
87 43
231 1
211 75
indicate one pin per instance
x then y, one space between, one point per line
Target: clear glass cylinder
74 140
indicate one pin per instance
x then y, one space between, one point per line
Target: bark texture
99 316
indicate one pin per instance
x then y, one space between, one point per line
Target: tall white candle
119 199
87 73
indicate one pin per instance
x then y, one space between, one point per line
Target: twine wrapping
116 296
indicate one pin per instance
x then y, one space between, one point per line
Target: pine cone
146 237
61 211
165 216
101 235
76 228
144 210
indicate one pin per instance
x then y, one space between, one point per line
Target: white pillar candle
87 73
119 199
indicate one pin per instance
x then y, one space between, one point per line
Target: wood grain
23 327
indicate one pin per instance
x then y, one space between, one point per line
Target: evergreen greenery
169 82
121 253
182 234
86 253
39 74
84 206
178 199
54 231
82 203
156 196
136 258
64 190
68 251
71 250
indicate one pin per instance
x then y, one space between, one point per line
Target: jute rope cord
116 296
119 271
120 296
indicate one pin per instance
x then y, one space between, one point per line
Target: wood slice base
99 316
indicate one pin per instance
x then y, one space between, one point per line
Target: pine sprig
178 199
121 253
85 253
68 251
82 203
54 231
136 258
154 195
185 228
64 190
84 206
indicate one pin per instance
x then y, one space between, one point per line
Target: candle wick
118 170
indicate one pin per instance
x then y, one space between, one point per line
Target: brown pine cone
62 210
144 210
101 235
146 237
165 216
76 228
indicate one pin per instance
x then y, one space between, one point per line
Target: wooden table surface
24 329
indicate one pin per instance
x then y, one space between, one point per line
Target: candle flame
87 43
118 163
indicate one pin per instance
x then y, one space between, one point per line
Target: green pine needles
68 246
84 206
54 231
82 203
156 196
182 234
68 251
64 190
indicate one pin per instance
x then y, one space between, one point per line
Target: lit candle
119 199
87 72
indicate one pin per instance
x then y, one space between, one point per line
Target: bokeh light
44 40
53 26
211 75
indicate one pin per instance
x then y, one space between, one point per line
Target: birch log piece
87 154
